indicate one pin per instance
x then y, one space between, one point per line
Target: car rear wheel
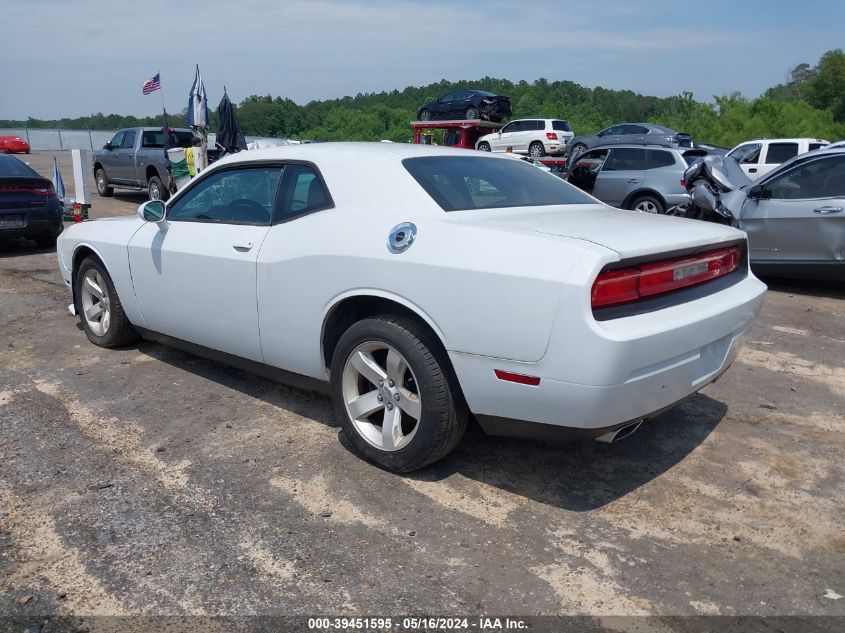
425 115
100 310
103 183
536 150
472 113
484 146
648 204
156 190
394 395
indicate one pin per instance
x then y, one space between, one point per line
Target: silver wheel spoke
367 366
365 405
105 321
391 430
409 403
93 287
94 311
395 366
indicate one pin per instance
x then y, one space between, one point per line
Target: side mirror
757 192
152 211
107 145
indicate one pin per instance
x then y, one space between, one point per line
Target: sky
69 58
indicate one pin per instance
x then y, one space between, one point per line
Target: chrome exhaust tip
620 433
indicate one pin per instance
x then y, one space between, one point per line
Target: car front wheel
102 315
472 113
425 115
394 395
484 146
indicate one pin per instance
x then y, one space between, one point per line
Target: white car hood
629 233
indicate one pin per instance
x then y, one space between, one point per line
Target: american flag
152 84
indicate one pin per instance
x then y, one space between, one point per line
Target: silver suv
647 178
535 137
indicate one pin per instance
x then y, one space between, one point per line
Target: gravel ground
148 481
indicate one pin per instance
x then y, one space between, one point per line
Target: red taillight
521 379
629 284
552 136
683 184
44 190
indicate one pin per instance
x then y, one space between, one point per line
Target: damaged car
794 216
466 104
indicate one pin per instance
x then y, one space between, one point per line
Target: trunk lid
629 233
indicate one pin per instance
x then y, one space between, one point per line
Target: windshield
458 183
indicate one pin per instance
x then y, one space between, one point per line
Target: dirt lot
148 481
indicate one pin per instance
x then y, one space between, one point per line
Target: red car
13 145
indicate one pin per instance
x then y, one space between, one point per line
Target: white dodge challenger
421 286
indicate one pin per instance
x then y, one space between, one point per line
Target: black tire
444 414
103 183
156 189
649 204
120 331
472 113
47 241
577 149
536 150
484 146
425 115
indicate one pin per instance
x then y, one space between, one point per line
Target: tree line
810 103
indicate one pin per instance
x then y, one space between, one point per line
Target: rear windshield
458 183
693 156
13 168
563 126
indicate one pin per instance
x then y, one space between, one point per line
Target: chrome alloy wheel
95 302
646 206
380 395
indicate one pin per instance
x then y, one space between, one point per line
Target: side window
780 152
816 146
627 159
614 130
746 154
537 125
823 178
450 96
634 129
659 158
128 140
563 126
233 196
590 161
302 192
513 126
152 139
117 139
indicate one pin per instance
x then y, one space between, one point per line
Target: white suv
757 158
535 137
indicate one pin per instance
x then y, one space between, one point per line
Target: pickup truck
135 159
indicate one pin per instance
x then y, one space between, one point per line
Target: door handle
826 210
752 170
633 181
242 247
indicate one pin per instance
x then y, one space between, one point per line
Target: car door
613 134
290 334
748 157
194 274
124 158
632 132
109 158
798 215
622 173
508 136
776 153
586 168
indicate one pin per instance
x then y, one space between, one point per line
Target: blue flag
58 183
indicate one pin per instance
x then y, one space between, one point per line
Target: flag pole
165 131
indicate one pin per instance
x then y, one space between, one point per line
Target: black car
29 206
466 104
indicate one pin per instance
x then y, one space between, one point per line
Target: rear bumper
613 373
46 220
